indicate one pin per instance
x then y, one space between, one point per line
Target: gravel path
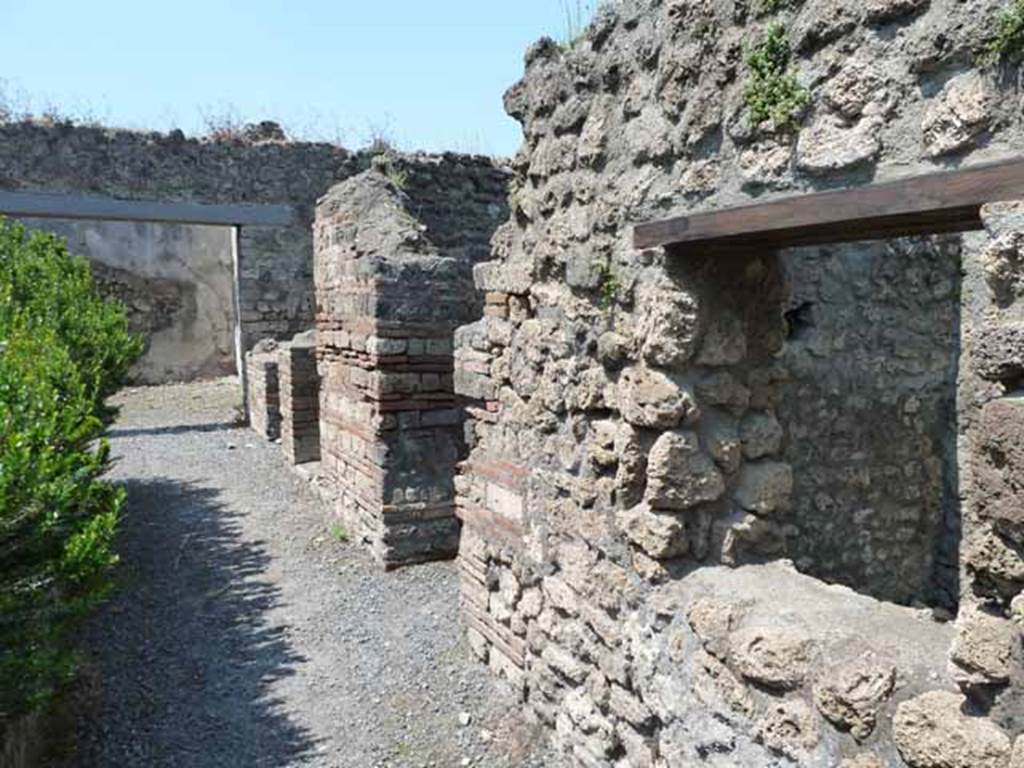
245 634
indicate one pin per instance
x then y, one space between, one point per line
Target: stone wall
868 416
394 251
275 268
642 419
263 389
176 282
299 385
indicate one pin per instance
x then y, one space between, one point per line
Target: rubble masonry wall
648 441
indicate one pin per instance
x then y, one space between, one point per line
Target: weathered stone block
679 475
764 487
851 694
771 656
932 731
649 398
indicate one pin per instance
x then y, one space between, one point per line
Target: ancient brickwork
299 385
263 389
648 429
395 248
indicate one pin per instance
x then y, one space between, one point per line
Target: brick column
300 408
263 392
391 432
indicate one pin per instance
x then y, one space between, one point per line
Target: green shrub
1007 42
773 92
42 286
62 351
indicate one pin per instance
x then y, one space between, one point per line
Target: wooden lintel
56 206
949 201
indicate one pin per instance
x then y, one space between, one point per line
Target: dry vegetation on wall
63 351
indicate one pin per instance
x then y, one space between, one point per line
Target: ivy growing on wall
609 287
1007 42
773 92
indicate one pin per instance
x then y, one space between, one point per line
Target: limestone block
882 11
649 135
790 728
932 731
593 138
764 164
999 470
1017 759
988 554
1004 218
857 84
628 706
662 536
583 270
498 276
987 647
764 487
612 349
761 435
679 475
776 657
723 441
649 398
722 388
602 444
822 21
867 760
960 114
831 145
668 329
851 694
713 622
700 178
725 340
997 353
631 477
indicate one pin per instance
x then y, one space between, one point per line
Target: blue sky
429 75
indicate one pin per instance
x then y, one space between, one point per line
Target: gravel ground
244 633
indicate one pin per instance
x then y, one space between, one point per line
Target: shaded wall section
176 282
868 411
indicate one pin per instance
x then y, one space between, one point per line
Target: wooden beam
939 202
53 206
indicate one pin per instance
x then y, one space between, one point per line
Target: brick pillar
300 408
388 301
263 389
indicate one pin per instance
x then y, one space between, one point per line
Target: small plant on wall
577 13
609 287
773 93
1007 42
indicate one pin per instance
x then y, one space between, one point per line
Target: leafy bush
773 92
1007 42
62 351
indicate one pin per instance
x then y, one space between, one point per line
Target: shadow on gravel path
189 659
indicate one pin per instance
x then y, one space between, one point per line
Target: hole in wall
799 321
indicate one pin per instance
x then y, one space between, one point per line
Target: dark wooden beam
939 202
54 206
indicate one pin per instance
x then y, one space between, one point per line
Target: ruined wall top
169 166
